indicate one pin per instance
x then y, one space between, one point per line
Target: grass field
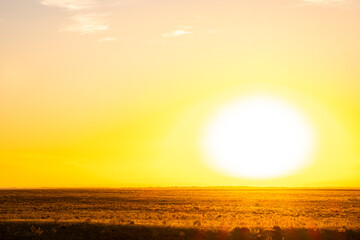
227 213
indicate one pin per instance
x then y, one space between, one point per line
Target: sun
258 136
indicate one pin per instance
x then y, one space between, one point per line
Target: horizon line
183 187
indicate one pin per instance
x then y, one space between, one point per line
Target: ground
179 213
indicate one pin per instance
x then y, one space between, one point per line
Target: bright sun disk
258 137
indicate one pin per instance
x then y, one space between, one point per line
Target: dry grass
190 208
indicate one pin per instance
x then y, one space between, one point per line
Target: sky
116 93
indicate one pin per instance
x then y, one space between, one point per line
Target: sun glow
258 137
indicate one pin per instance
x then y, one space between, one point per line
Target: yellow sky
116 93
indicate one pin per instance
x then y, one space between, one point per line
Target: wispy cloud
108 39
84 14
87 23
176 33
212 31
69 4
323 1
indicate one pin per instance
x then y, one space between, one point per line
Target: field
181 213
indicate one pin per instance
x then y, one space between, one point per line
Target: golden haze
128 110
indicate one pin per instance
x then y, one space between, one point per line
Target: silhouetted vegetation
79 231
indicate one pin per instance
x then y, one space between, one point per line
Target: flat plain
202 209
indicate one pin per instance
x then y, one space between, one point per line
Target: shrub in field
240 233
36 231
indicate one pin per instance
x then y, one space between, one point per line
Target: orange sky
115 93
